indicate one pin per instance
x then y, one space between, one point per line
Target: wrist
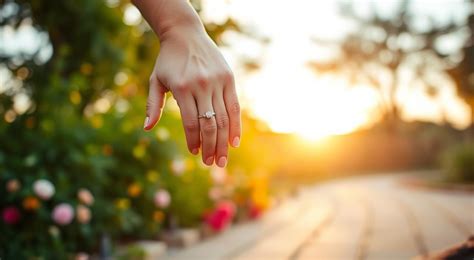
177 18
182 34
169 16
181 29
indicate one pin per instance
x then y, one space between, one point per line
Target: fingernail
147 120
236 142
222 162
210 160
195 151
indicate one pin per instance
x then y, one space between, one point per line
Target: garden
78 175
80 178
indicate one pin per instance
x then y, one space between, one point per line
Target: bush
121 172
74 161
458 163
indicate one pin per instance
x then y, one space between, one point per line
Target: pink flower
43 189
63 214
178 166
227 208
11 215
85 196
13 185
83 214
162 198
222 216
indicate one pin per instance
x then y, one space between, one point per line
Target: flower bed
124 189
78 175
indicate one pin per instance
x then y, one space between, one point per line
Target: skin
192 68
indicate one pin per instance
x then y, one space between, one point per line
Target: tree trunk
470 130
393 111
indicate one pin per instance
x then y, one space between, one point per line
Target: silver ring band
207 115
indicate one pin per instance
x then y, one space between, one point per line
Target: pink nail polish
222 162
210 160
195 151
147 120
236 142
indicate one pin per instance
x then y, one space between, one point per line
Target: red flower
222 216
255 211
11 215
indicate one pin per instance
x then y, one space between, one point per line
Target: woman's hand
192 68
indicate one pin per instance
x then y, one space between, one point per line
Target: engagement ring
208 115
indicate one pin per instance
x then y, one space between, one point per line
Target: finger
222 121
189 115
155 103
233 111
208 129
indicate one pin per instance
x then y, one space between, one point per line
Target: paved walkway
371 217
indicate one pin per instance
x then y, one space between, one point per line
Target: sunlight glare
291 98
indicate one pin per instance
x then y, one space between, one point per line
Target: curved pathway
368 217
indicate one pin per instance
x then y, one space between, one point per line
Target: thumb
155 103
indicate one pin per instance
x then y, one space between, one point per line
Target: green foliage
458 163
83 129
106 160
133 253
463 73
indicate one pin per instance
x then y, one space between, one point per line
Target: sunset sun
309 105
288 95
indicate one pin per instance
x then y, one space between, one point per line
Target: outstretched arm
192 68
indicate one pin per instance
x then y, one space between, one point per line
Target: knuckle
222 121
235 107
181 86
150 103
203 80
191 125
222 148
227 76
209 128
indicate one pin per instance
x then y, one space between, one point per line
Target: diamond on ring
208 115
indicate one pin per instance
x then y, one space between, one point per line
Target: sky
290 97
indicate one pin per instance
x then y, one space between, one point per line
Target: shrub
74 161
458 163
65 184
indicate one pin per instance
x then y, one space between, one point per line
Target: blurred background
328 89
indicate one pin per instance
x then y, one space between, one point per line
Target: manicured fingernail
195 151
147 120
236 142
222 162
210 160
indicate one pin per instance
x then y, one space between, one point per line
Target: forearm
166 15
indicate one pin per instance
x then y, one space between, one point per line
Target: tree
463 73
380 47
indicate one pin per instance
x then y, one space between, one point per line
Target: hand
192 68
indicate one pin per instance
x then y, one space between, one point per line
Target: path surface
371 217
